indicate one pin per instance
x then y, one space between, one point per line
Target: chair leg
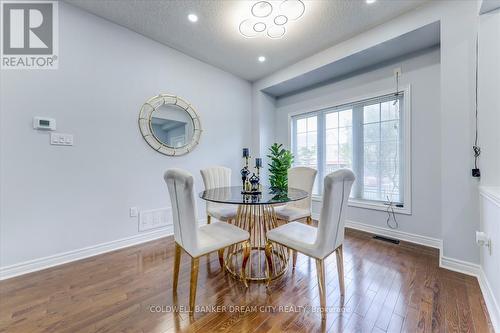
294 253
177 263
340 268
269 253
209 218
320 272
309 220
194 281
246 256
221 258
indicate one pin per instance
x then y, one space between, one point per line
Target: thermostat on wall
43 123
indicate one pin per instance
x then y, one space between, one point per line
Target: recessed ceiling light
261 59
370 1
193 18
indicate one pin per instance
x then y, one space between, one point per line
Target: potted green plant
281 160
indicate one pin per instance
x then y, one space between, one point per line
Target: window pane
390 111
345 118
371 113
332 120
389 130
301 125
372 132
301 140
332 136
311 124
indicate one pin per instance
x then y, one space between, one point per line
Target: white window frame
360 203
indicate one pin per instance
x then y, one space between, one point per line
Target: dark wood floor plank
393 288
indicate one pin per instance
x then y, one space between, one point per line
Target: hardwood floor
389 288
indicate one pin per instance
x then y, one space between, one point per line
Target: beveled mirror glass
170 125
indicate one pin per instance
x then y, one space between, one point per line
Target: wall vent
386 239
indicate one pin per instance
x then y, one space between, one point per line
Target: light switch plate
61 139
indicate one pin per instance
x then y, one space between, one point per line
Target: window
367 136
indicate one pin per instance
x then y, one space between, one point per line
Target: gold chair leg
221 258
209 218
340 268
194 281
320 272
294 253
246 256
309 220
177 263
269 253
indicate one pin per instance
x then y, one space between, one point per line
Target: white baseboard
396 234
66 257
460 266
489 298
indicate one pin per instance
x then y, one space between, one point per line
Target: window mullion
357 146
321 156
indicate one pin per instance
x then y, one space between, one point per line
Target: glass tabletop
233 195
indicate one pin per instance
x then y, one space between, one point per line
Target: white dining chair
301 178
322 241
198 240
214 177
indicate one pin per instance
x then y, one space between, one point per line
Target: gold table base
257 220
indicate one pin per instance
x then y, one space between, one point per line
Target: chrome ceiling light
269 20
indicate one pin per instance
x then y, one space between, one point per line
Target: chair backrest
337 188
217 176
303 179
181 189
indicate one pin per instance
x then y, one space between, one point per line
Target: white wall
489 103
422 73
459 191
55 199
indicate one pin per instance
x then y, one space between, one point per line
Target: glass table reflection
256 215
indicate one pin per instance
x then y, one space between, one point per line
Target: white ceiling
215 38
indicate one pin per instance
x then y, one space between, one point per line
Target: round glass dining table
256 215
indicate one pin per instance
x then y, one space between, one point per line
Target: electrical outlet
61 139
155 218
134 212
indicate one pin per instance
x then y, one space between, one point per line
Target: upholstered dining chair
218 176
198 240
303 179
322 241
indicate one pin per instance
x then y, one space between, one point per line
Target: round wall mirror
170 125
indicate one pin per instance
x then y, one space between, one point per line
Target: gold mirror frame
145 116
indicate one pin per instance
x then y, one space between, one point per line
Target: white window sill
374 205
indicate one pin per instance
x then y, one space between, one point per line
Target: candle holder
251 185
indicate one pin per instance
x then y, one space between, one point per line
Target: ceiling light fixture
261 59
262 9
370 1
247 28
276 32
259 27
293 9
280 20
193 18
269 20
